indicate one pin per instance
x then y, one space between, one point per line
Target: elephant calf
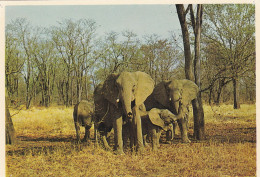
154 121
83 116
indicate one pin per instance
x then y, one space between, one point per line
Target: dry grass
46 148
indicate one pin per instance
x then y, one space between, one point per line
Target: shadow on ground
220 133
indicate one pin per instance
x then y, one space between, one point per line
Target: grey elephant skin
154 121
103 115
174 95
120 96
83 116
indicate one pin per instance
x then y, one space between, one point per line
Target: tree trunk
67 94
71 89
198 112
236 93
186 41
9 127
210 95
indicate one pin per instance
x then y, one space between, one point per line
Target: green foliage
228 45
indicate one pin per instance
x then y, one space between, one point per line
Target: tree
161 57
45 60
198 113
73 42
229 35
26 41
118 53
9 127
13 63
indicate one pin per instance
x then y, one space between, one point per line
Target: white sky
141 19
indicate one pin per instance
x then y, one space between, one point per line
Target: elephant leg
132 135
108 137
173 129
77 127
138 132
182 122
126 134
158 131
145 131
118 135
154 139
105 143
169 134
96 135
87 133
145 142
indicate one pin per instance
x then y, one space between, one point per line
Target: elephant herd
136 109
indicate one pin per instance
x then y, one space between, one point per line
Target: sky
141 19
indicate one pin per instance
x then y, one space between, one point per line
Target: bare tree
73 42
26 37
198 112
230 43
45 60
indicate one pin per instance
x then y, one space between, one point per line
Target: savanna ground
46 147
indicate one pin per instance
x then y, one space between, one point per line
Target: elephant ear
189 91
154 116
145 86
160 93
110 90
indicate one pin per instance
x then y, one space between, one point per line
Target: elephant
103 115
154 121
83 116
174 95
118 101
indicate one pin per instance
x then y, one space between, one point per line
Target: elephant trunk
126 103
174 106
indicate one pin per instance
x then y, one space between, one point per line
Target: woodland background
62 64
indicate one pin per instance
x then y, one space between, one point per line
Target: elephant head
161 117
173 93
128 89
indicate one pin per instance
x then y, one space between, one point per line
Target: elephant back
83 112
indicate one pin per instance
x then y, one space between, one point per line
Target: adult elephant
122 96
175 95
103 115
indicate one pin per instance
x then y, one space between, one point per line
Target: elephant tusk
117 100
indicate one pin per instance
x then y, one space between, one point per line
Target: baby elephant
154 121
83 116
